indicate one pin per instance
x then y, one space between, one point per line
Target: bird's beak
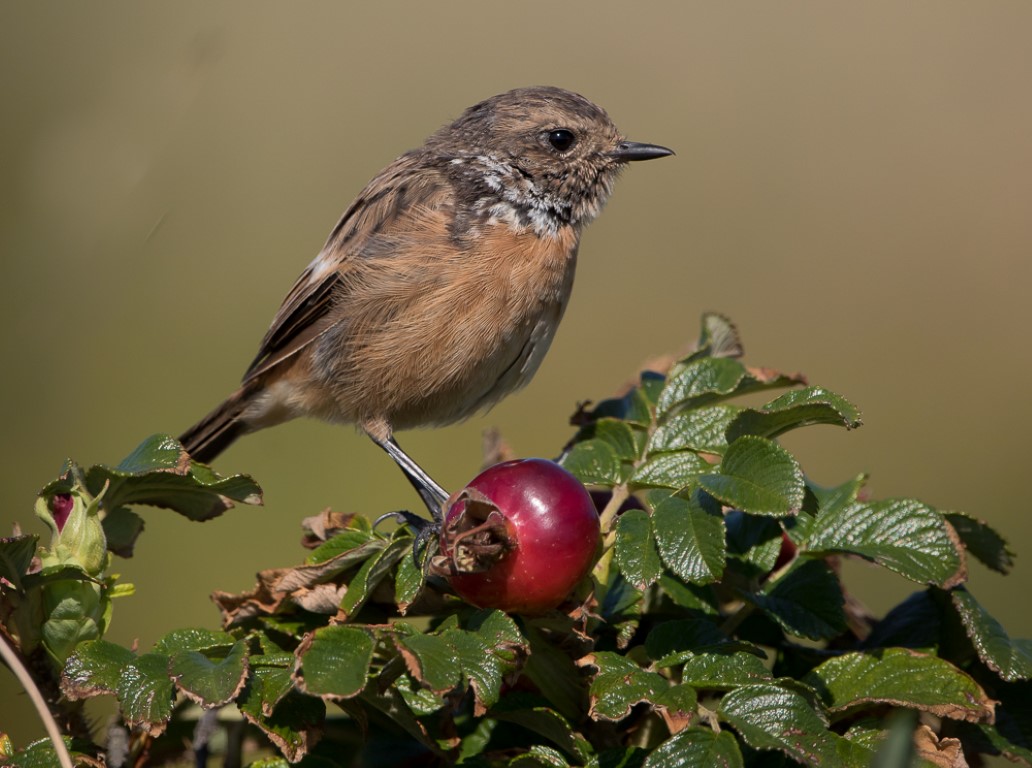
626 151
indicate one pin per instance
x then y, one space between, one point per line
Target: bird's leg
432 494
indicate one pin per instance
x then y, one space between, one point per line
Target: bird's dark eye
561 139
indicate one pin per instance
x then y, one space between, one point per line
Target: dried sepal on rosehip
519 537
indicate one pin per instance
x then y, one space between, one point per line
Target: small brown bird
440 288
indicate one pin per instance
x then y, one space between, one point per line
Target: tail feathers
218 430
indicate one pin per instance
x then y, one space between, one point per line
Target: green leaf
771 717
372 572
982 542
903 535
1010 658
288 718
805 601
408 583
798 408
41 754
669 470
16 555
690 536
594 462
333 662
483 669
618 434
192 639
701 381
900 677
720 670
696 747
94 668
431 660
700 430
619 684
757 476
211 679
636 552
146 693
347 548
159 473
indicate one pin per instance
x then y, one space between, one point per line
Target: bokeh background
853 186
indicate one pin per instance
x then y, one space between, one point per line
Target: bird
441 287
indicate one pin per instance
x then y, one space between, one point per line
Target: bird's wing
304 314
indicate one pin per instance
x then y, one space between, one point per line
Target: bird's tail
219 429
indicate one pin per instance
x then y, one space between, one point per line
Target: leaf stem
13 660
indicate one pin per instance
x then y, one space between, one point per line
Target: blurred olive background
852 186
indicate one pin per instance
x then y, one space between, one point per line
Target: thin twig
12 660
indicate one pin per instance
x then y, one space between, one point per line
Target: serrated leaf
94 668
636 552
347 547
619 435
690 536
431 660
292 727
210 681
700 430
757 476
697 747
900 677
669 470
372 572
768 716
700 381
982 541
619 684
482 669
333 662
16 553
192 639
594 462
805 601
408 583
160 473
41 754
798 408
720 670
903 535
146 693
836 496
1010 658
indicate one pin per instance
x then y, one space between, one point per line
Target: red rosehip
550 537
